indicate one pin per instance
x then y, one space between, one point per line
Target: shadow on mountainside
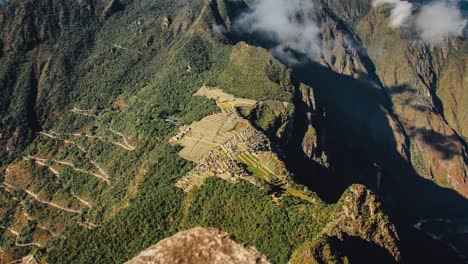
359 137
360 144
444 144
359 250
441 143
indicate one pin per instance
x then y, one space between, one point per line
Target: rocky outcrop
362 216
349 11
200 245
360 228
341 50
270 117
313 140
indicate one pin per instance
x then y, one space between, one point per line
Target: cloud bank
283 22
434 22
401 11
438 21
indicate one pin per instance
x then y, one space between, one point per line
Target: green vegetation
129 85
197 52
270 116
152 216
417 160
252 73
323 249
248 213
100 85
450 91
129 221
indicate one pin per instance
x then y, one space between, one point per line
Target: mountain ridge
104 85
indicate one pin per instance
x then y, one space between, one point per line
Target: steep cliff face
360 231
24 25
452 90
349 11
348 79
92 91
310 142
32 31
341 50
411 73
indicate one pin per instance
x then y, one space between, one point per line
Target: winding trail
54 135
8 190
127 146
27 245
46 229
17 236
99 168
88 225
103 172
36 197
83 112
30 218
42 162
49 135
88 204
127 49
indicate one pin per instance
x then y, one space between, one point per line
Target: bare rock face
342 53
351 10
311 143
361 231
362 216
199 245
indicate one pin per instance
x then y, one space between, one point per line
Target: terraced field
201 137
211 132
223 145
224 101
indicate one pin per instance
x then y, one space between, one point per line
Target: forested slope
93 91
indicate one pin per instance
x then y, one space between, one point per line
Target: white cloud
277 20
434 22
438 21
401 11
284 54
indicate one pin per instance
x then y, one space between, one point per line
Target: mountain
331 137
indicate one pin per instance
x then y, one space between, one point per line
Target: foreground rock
199 245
